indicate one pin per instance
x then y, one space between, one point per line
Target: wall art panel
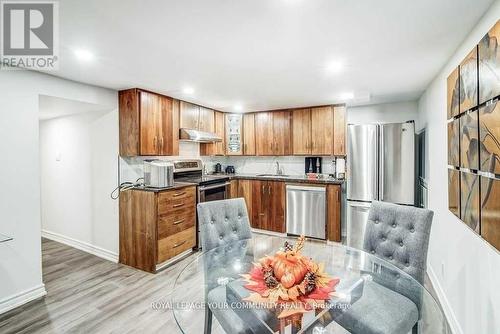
489 65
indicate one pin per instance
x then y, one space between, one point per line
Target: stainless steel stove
209 187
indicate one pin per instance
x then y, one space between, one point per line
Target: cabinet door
333 196
166 126
150 120
322 131
301 129
339 125
189 115
219 147
276 206
281 133
249 134
260 204
264 143
207 120
245 190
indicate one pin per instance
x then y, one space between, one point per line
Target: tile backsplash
131 168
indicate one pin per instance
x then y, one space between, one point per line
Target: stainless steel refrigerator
380 166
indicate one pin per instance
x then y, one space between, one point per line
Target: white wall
383 113
20 259
78 157
464 268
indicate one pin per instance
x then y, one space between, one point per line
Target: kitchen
156 125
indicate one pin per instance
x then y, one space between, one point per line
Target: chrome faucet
279 171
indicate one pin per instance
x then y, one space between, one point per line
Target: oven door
213 192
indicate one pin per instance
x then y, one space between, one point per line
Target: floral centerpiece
290 280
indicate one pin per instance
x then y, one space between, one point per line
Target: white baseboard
22 298
86 247
445 304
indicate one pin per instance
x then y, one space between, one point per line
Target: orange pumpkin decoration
293 263
288 280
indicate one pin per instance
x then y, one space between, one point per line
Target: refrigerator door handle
381 167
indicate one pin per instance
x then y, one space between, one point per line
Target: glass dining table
221 269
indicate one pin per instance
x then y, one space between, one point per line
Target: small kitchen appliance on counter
158 173
230 170
218 168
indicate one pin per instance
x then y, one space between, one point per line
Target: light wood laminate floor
86 294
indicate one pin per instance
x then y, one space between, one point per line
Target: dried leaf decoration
312 289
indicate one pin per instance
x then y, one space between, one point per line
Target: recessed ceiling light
238 108
335 67
84 55
346 96
188 90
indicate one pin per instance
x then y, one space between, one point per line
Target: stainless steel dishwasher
306 211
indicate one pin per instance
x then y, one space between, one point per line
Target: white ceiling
265 54
52 107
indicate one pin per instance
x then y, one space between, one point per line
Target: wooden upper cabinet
339 130
249 134
219 147
281 133
149 124
301 129
150 119
207 120
322 131
264 133
189 115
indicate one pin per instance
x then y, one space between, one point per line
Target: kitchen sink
272 175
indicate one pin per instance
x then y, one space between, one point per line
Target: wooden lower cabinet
156 226
233 189
265 203
333 210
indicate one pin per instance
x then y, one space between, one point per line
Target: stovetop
203 179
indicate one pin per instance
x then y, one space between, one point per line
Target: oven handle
220 185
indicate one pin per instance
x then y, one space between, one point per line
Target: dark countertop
177 185
290 178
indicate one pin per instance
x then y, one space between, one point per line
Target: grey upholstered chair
399 235
221 223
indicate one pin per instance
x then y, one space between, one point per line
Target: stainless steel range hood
198 136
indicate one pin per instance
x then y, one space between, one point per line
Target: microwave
158 173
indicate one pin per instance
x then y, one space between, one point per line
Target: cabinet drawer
178 200
176 244
176 222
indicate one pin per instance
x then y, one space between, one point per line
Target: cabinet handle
179 244
178 205
178 222
155 139
261 214
269 189
179 194
161 143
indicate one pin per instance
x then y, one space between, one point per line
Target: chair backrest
222 222
400 235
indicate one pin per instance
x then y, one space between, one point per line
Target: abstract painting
489 138
469 200
489 65
468 82
453 94
454 143
454 191
469 141
490 211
